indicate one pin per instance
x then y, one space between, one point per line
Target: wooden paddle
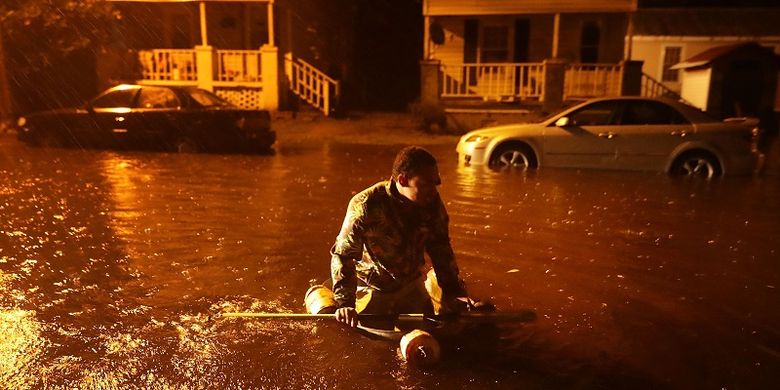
470 317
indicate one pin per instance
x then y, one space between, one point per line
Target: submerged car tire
48 140
513 156
697 164
185 145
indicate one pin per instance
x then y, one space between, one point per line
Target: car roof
137 86
692 113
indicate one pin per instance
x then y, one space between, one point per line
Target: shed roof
741 22
708 56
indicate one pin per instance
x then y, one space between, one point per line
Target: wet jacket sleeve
348 249
442 256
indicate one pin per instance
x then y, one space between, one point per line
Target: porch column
429 81
269 65
204 38
270 11
631 78
629 37
556 34
554 78
205 57
426 37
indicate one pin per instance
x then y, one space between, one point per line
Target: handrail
654 88
168 64
498 81
239 65
586 80
311 84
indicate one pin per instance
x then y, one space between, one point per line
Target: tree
34 34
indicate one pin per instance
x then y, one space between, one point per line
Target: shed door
742 89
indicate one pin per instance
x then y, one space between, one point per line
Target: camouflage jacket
383 240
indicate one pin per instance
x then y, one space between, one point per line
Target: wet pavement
114 266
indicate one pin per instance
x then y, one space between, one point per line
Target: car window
647 112
121 98
596 114
157 97
208 99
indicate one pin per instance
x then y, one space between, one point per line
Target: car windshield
208 99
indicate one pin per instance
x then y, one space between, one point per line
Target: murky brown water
113 264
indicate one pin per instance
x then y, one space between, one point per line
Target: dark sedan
181 119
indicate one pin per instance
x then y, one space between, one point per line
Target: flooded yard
114 267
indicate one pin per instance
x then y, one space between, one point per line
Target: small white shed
731 80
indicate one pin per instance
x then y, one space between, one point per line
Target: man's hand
464 304
455 304
347 315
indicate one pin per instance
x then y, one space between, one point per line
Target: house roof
708 56
741 22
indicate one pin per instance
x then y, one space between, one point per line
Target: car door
587 140
112 112
649 131
158 116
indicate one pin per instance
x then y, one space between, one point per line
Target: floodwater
114 267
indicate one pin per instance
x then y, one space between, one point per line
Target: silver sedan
631 133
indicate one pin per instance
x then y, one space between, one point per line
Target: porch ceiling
515 7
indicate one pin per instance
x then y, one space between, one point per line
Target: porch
510 82
249 78
520 86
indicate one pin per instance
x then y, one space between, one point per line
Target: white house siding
650 49
696 86
495 7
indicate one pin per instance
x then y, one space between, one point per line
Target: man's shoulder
373 193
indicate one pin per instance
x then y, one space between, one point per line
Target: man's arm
347 249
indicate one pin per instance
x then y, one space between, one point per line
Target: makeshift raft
416 333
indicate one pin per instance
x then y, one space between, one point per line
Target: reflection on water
114 267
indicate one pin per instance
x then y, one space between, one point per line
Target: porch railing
311 84
499 81
238 66
654 88
168 64
583 81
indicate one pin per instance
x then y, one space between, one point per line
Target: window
157 97
120 98
208 99
596 114
589 43
495 44
650 113
671 57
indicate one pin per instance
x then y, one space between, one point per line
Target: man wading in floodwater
386 231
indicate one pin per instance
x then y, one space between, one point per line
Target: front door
588 141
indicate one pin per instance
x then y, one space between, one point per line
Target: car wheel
185 145
514 156
696 165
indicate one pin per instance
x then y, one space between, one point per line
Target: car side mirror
562 122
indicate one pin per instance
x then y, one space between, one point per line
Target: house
664 37
233 48
526 51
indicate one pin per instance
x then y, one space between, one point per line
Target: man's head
416 173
